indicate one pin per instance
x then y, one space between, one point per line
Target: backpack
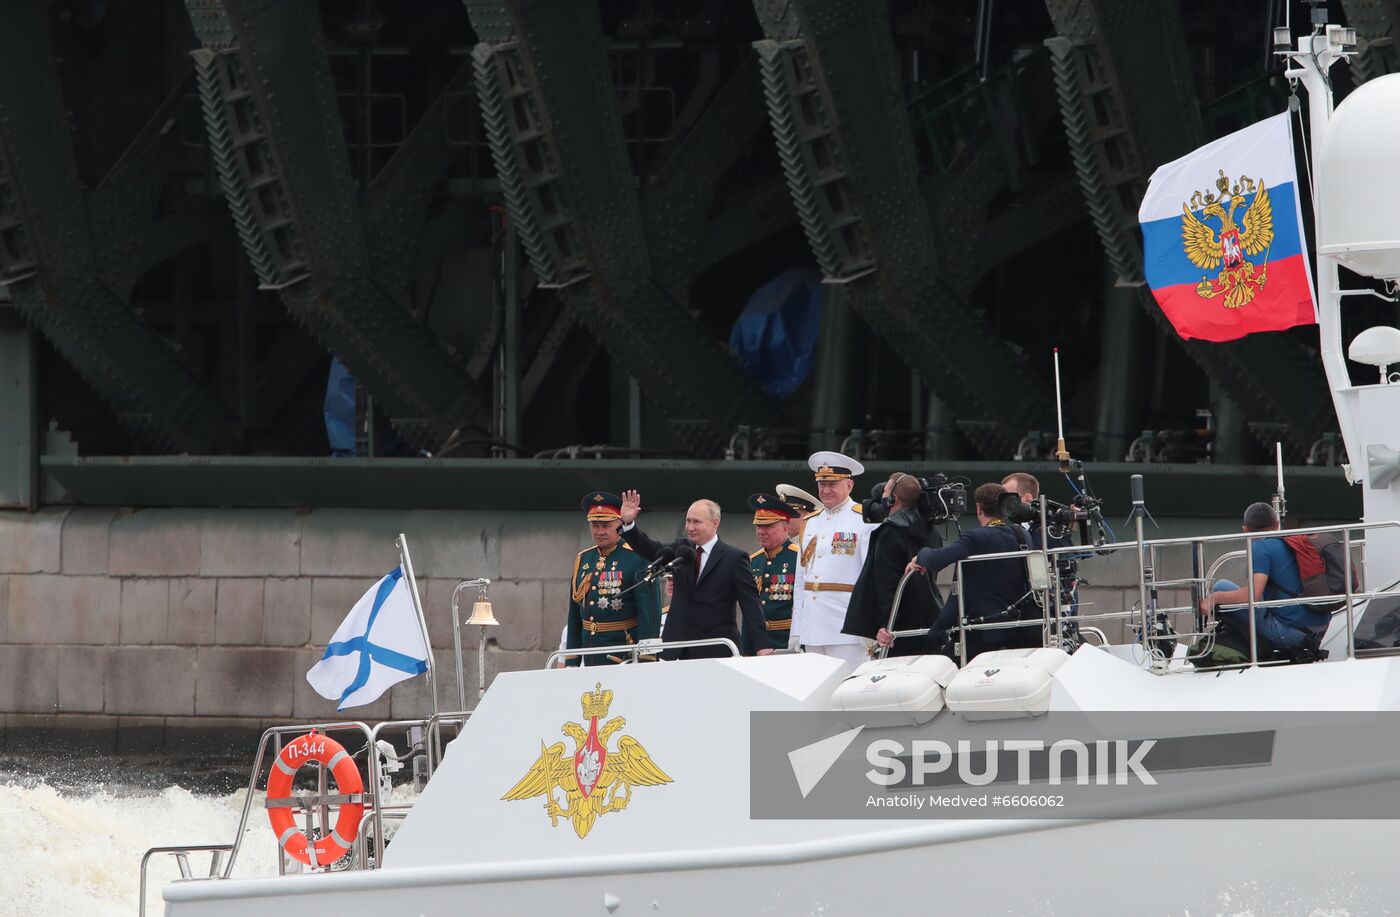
1322 568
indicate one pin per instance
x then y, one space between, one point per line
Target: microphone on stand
667 559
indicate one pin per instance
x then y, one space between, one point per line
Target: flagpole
407 562
1308 64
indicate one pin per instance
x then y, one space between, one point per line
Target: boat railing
643 648
1150 616
182 858
424 741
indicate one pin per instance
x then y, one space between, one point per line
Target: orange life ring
322 749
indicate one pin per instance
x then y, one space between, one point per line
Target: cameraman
1028 488
905 531
991 589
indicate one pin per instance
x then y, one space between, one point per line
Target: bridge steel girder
676 208
68 257
839 120
1128 101
1377 24
277 141
549 108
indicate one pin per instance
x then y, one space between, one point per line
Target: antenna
1279 502
1061 452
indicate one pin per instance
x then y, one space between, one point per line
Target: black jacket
891 547
706 609
989 588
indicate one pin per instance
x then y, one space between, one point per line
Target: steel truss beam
1127 96
70 259
839 120
550 111
1376 24
275 134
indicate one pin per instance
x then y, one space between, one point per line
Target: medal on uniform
843 543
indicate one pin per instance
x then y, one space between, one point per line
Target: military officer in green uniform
774 566
602 612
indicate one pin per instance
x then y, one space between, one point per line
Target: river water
73 829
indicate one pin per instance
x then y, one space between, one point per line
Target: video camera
940 499
1059 517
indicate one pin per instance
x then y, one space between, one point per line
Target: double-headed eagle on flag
1237 280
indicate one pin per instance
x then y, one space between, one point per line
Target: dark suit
989 587
891 546
705 609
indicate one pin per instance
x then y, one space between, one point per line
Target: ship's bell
482 614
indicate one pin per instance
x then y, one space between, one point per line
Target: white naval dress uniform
831 554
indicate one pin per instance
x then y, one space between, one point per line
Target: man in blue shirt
1275 572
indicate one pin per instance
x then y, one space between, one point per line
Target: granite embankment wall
121 621
141 621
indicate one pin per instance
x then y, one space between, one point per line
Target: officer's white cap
833 466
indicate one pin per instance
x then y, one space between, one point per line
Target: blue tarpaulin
775 336
340 409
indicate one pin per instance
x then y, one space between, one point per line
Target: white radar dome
1378 346
1358 196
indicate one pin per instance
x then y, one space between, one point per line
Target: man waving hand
706 592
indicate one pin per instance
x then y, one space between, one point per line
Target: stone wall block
251 681
412 699
554 612
31 542
82 678
150 680
436 596
239 611
86 531
251 542
519 661
64 609
156 542
444 543
145 610
541 545
331 601
192 611
28 679
287 611
519 607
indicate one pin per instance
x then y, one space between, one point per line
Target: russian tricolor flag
1223 245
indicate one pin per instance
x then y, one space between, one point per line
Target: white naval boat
788 784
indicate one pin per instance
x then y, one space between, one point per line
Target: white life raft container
903 690
1005 684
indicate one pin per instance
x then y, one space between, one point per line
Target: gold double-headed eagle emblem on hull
1238 281
595 779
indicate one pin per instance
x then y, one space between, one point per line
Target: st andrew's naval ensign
595 779
1238 280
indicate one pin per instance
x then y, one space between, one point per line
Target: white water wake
78 851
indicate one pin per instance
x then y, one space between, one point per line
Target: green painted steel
1207 491
550 110
842 130
69 256
276 137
